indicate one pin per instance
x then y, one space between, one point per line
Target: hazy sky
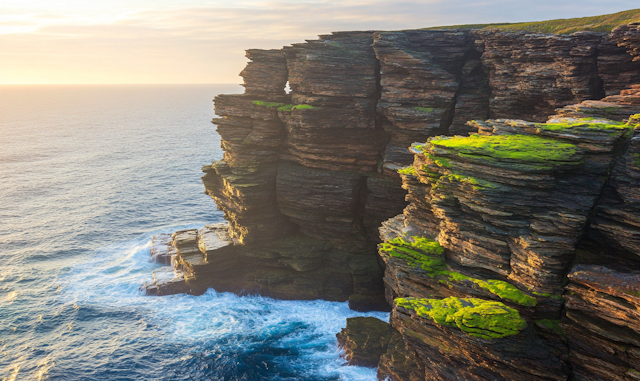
198 41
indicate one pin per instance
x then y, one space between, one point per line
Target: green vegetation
440 161
425 110
636 159
604 23
528 148
607 110
474 182
547 295
476 317
285 108
428 255
584 123
552 325
632 293
268 104
410 170
288 108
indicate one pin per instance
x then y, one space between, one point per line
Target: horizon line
113 84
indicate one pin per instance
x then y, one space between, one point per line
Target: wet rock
169 282
364 340
162 249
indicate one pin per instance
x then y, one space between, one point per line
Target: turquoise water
87 175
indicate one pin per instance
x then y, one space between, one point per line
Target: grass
476 317
603 23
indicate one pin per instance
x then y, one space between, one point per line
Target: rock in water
364 340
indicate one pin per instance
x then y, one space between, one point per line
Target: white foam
113 276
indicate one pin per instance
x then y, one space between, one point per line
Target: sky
198 41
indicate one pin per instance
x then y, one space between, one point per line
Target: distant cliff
505 255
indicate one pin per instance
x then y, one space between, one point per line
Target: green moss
268 104
475 182
604 23
289 108
552 325
613 126
636 159
507 291
528 148
285 108
428 255
547 295
425 110
407 171
417 147
476 317
442 162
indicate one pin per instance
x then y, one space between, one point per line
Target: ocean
87 175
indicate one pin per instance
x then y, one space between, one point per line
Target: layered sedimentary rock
497 217
370 342
303 168
628 37
364 340
420 78
602 323
531 75
475 264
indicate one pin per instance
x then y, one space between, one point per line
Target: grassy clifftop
604 23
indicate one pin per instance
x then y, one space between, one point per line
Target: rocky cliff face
478 260
478 232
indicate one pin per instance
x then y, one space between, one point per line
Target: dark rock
532 74
399 362
266 74
602 324
364 340
628 37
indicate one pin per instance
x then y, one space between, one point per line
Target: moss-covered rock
268 104
429 256
525 148
476 317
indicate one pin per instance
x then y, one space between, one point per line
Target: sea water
87 175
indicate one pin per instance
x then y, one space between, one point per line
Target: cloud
206 43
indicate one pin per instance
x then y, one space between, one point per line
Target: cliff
507 254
